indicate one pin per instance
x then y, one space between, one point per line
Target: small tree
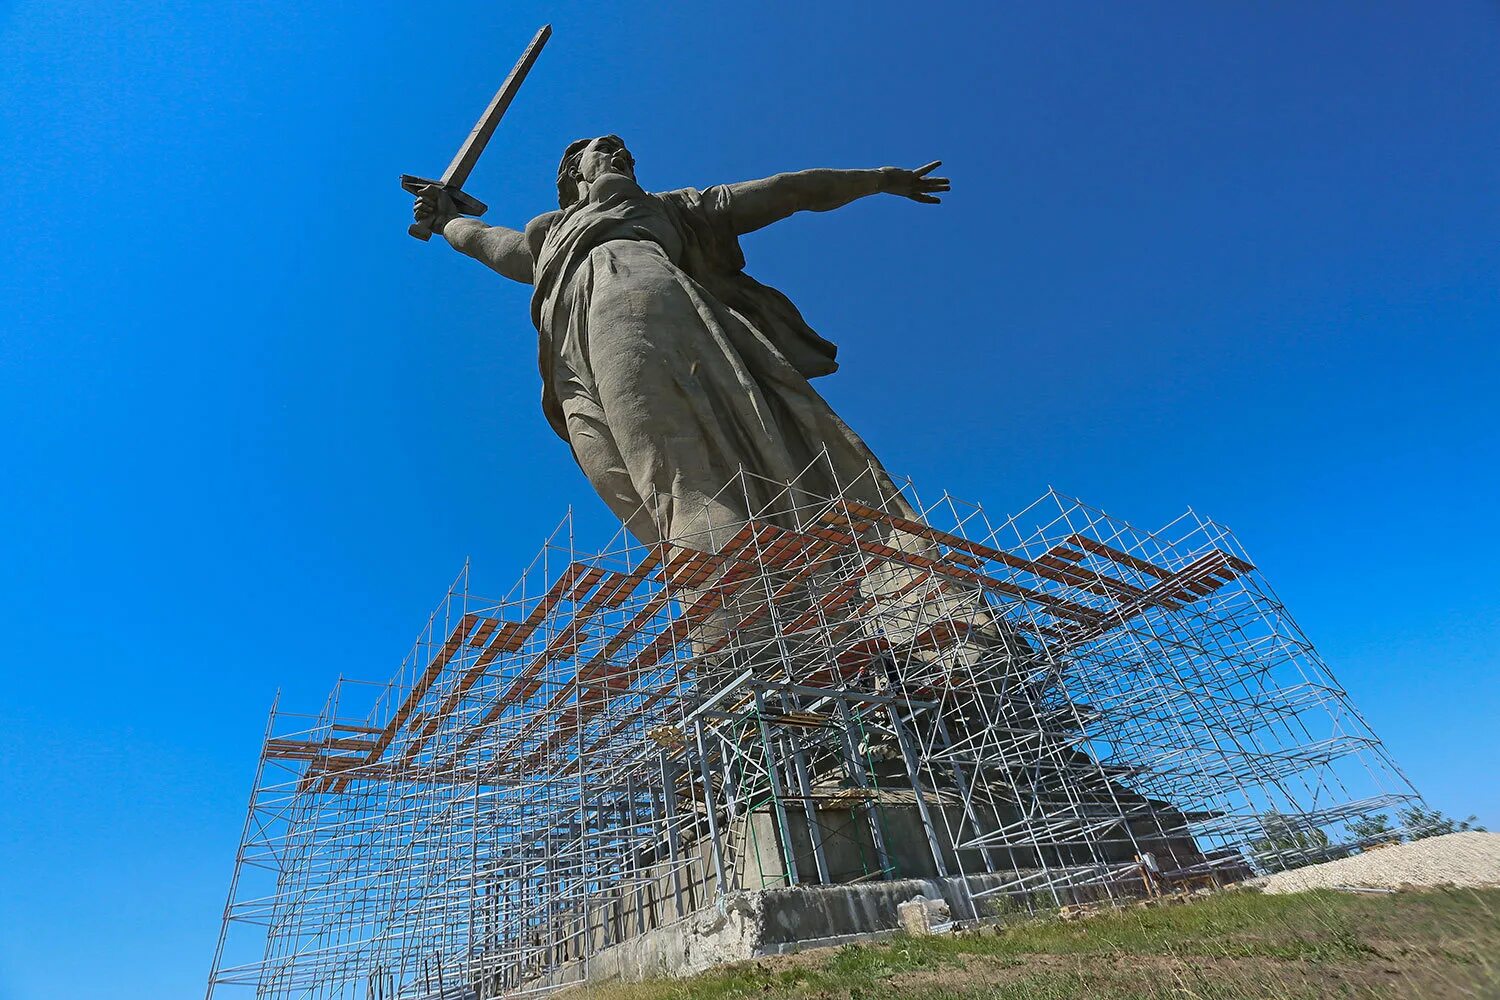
1285 846
1421 823
1375 826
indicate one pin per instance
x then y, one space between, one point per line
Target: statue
664 366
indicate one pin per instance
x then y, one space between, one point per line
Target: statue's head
586 160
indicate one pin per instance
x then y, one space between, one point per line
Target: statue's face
605 155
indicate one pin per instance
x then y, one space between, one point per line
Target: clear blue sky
1244 257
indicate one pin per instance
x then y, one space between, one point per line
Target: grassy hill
1435 944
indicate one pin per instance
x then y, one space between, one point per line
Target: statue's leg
597 454
670 398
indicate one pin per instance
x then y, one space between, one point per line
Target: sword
468 154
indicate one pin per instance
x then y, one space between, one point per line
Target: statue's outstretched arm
757 204
504 250
498 248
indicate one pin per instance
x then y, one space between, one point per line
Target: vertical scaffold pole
910 759
773 776
710 810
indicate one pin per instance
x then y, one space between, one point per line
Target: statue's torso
646 219
636 216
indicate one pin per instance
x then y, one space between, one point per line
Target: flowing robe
668 370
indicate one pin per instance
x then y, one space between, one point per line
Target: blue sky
1242 257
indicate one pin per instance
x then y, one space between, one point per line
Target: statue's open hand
914 184
435 207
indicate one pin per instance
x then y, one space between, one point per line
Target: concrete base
754 924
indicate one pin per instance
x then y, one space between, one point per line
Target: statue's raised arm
757 204
499 248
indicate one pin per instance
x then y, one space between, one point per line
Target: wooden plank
737 575
536 722
419 689
523 631
1054 572
350 727
528 680
1122 558
943 634
1176 587
494 650
516 691
799 720
1056 605
811 559
627 584
1088 579
482 633
283 749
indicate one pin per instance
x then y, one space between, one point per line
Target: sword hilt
466 204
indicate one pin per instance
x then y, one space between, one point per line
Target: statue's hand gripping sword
468 154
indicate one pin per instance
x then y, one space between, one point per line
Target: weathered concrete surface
729 933
664 366
749 925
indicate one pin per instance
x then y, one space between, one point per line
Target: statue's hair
567 187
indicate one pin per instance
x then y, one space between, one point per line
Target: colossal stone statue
664 366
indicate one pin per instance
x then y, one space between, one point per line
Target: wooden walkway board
1043 568
1199 578
707 583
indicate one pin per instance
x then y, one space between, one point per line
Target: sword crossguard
467 204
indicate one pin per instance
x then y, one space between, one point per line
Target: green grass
1230 946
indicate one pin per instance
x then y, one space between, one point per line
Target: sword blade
468 154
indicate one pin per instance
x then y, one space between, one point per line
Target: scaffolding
1052 708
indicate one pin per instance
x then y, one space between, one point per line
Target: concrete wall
749 925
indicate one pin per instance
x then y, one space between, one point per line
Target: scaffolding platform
1041 710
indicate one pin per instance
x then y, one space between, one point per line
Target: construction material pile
1458 859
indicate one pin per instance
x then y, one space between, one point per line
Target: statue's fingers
929 168
926 199
935 184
